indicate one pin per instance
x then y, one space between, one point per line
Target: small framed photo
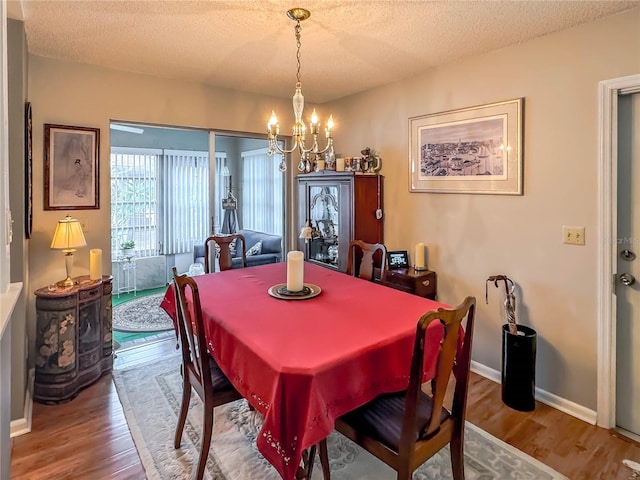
398 259
71 178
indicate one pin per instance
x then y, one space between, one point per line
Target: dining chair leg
308 456
184 409
324 460
404 472
207 428
456 446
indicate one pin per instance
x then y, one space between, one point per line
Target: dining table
304 362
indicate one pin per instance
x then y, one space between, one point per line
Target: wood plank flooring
88 438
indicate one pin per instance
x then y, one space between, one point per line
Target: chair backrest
362 258
225 257
191 332
454 356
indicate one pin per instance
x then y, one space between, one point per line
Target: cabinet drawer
423 284
399 281
427 286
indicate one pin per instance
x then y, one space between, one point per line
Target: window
185 199
159 199
262 192
134 199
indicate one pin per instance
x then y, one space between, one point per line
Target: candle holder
308 291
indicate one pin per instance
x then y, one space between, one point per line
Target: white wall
470 237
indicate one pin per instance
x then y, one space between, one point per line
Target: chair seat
381 418
219 380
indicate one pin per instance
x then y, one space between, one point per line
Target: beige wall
81 95
470 237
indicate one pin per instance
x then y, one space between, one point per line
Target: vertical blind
262 192
185 199
159 199
134 199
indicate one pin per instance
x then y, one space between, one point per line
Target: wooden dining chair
224 251
407 428
199 369
361 261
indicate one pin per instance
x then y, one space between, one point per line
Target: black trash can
519 368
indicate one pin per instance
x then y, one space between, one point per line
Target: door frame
608 92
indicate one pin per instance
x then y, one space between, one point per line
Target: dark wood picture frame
398 259
71 167
28 170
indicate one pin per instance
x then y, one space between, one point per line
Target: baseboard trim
554 401
23 425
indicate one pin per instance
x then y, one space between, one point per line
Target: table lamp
67 237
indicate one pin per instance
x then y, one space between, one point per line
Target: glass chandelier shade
299 127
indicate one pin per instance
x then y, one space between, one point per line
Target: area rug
141 314
150 395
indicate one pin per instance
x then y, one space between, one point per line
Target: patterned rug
151 394
141 314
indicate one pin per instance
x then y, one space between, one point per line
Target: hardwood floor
88 438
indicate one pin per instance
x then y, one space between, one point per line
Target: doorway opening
608 281
169 192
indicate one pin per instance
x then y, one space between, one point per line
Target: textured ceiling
249 45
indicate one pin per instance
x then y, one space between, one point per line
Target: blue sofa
271 249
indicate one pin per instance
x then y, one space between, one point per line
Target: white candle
340 164
320 164
419 259
295 271
95 264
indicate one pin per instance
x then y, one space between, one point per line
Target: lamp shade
68 235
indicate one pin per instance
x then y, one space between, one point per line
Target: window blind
185 199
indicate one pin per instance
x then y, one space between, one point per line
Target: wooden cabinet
73 338
340 206
423 283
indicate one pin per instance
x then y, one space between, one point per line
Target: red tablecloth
303 363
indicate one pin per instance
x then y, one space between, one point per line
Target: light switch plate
573 235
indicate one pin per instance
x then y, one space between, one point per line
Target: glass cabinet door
324 210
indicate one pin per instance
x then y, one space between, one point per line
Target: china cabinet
339 207
73 337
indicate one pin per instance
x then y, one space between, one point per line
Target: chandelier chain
298 44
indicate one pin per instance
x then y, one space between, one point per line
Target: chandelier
299 127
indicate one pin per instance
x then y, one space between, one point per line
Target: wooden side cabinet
73 338
423 283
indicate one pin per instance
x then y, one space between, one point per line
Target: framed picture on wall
28 171
471 150
71 163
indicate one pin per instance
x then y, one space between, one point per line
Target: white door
628 266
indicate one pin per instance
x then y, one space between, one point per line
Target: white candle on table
419 260
340 164
95 264
295 271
